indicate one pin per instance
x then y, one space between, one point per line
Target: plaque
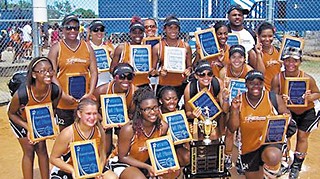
140 56
296 88
162 154
77 84
207 104
103 59
41 122
151 41
289 41
85 158
233 39
234 86
178 126
275 129
114 110
174 59
209 45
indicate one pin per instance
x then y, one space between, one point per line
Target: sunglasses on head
149 26
128 76
203 74
70 27
101 29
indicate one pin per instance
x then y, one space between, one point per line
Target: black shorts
19 131
306 121
65 117
59 174
252 161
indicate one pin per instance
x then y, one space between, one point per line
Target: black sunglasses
128 76
101 29
70 27
150 26
201 75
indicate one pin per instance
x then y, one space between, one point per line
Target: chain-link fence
296 17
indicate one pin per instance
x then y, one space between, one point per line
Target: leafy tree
85 13
59 9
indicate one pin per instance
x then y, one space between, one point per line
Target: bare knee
271 156
129 172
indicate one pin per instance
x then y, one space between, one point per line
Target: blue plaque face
114 110
208 44
235 86
86 157
208 108
152 42
77 86
41 122
291 43
232 40
163 155
275 130
296 91
102 59
140 59
177 127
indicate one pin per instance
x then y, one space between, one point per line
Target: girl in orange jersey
96 40
72 59
270 54
122 51
39 89
85 127
168 100
245 113
171 39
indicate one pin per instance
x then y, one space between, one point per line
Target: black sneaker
294 173
239 166
228 162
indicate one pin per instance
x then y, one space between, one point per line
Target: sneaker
228 162
239 166
294 173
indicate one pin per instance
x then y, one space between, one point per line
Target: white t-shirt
246 39
26 30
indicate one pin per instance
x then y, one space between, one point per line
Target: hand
90 96
29 139
258 48
225 94
153 72
163 72
236 102
187 72
285 98
70 99
151 171
226 82
197 112
307 95
221 56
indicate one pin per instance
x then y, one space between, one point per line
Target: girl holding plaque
39 89
305 117
85 127
103 50
171 39
168 100
75 63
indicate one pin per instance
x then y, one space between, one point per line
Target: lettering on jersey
254 118
76 60
272 62
142 149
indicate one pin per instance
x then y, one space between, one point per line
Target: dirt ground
11 154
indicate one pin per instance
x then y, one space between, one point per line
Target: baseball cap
68 18
237 48
202 65
253 74
172 21
237 7
122 68
96 23
293 52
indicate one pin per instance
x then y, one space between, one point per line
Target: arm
13 109
275 86
101 90
190 113
56 100
234 114
313 92
188 70
116 57
259 61
93 71
155 60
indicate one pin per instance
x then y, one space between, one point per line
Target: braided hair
140 95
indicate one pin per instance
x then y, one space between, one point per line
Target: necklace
235 75
198 86
268 51
112 90
43 98
150 133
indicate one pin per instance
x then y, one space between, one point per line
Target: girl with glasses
39 89
101 49
150 26
72 59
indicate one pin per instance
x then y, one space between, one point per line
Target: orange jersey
171 79
273 66
139 79
297 110
216 69
129 94
78 136
72 62
252 121
242 75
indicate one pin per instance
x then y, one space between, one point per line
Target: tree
85 13
59 9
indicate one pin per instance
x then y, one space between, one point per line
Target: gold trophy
207 126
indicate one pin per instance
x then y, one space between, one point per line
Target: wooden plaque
295 88
234 86
275 129
85 159
207 103
178 126
289 41
103 60
162 154
209 45
41 122
140 57
233 39
77 84
174 59
151 41
114 110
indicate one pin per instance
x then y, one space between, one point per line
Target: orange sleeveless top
139 79
72 63
252 121
273 66
297 110
129 94
242 75
171 79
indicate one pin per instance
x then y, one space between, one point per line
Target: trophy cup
207 125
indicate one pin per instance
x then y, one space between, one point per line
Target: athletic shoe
239 167
228 162
294 173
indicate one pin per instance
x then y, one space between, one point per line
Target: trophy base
207 141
